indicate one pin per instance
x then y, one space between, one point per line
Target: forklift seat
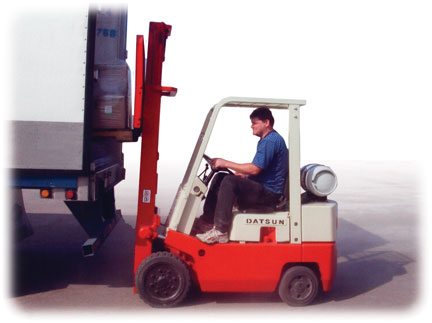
282 205
248 223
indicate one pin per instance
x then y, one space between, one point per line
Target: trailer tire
162 280
299 286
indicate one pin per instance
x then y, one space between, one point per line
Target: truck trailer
71 114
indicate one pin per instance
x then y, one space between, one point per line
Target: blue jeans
225 190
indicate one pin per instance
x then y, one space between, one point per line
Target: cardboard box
110 112
111 80
112 96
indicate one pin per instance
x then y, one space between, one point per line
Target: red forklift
290 249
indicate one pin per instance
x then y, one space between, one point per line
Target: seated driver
260 183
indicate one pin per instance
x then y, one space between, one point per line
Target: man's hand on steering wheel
217 164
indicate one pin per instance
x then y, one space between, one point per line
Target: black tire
162 280
299 286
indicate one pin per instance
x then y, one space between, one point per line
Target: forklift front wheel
162 280
299 286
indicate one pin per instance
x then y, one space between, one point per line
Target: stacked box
112 94
110 112
112 108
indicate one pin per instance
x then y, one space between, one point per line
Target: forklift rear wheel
299 286
162 280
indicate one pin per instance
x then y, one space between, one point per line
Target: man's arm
246 169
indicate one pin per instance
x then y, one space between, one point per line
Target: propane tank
318 180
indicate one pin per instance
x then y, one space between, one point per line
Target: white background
364 68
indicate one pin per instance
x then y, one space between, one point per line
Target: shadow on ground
51 258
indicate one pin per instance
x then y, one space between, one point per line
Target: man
255 184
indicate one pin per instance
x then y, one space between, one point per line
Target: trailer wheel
299 286
162 280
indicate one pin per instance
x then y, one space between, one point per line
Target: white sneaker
213 236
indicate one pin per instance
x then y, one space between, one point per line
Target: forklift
289 249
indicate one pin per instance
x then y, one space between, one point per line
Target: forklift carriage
291 249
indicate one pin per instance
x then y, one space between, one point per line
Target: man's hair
263 114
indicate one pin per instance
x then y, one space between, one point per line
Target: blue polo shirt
272 158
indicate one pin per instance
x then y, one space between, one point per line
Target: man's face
259 127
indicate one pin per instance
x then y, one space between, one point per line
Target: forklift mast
148 93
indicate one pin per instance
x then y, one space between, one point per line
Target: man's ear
267 123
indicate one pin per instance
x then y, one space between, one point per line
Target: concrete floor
379 258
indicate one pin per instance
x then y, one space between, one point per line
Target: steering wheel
215 170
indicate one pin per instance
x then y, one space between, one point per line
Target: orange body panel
249 267
325 255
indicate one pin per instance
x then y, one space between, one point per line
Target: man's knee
230 181
219 176
216 182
